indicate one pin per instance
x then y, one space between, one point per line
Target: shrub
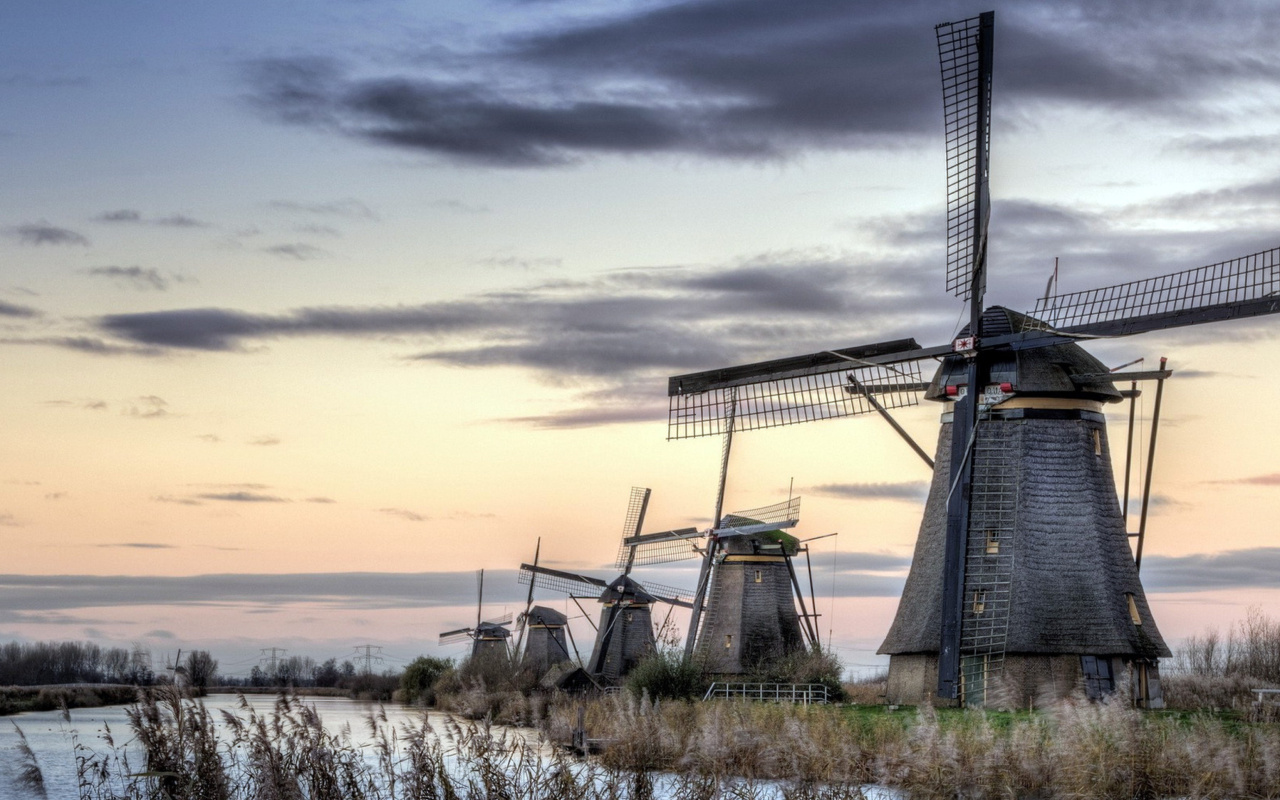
417 682
667 675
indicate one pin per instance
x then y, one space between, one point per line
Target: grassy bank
17 699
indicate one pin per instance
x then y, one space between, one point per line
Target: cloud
38 233
211 438
10 521
120 215
182 501
348 208
411 516
756 79
912 491
242 497
1257 567
159 633
297 251
1270 479
264 441
55 495
136 277
133 216
148 407
84 344
139 545
320 500
18 311
349 590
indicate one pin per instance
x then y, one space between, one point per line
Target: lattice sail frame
785 513
453 637
661 591
629 523
1251 278
821 393
667 551
966 103
579 587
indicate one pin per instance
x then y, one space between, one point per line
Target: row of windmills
1024 584
748 595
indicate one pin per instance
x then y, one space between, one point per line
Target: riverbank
18 699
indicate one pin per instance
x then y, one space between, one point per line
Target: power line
372 653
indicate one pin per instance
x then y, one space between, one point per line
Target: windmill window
993 543
1133 609
1097 442
728 640
979 601
759 576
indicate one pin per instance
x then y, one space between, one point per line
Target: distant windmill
545 646
488 636
749 585
1022 572
624 634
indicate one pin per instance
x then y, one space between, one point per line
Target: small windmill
545 627
624 634
488 636
1022 564
744 611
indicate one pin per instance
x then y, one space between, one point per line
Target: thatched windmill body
545 646
624 633
745 616
1022 573
489 637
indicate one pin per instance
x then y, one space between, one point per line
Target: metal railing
804 693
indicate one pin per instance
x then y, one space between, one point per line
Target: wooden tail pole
1151 457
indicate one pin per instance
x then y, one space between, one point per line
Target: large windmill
1022 568
488 636
624 634
744 610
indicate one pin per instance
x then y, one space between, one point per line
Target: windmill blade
504 619
668 594
766 518
559 581
461 634
965 54
664 548
637 505
1248 286
787 391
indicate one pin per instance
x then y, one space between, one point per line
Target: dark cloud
297 251
159 633
1257 567
38 233
10 521
752 79
18 311
1234 148
139 545
910 490
182 501
264 441
593 417
405 514
179 221
241 497
320 500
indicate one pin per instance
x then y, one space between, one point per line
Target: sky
311 310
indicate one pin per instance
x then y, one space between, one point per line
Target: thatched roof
541 615
1041 372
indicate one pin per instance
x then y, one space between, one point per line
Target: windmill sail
792 390
637 505
758 520
569 583
965 50
454 636
665 547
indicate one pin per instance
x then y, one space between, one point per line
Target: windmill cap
623 589
541 615
490 630
1054 371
